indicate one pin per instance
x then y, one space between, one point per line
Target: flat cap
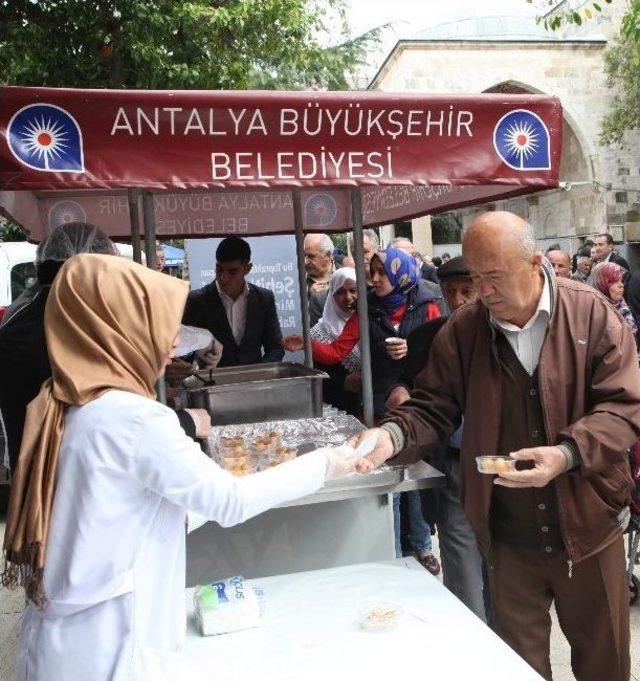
453 268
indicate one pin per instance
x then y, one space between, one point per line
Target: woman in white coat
96 523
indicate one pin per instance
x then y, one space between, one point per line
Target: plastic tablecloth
311 632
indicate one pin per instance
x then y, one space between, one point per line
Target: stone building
601 185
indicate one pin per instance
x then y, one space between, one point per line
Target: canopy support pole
149 229
134 218
302 277
362 306
150 252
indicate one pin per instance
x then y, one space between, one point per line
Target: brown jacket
589 385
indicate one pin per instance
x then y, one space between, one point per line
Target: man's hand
397 396
381 452
318 286
293 343
353 383
549 463
177 371
398 349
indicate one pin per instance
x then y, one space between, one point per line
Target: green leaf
577 19
173 44
597 7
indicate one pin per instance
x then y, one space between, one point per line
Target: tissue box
223 607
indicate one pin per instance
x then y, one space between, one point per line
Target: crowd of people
501 350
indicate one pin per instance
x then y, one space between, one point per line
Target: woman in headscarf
608 278
95 529
342 388
399 302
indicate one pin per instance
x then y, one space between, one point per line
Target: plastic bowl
245 469
380 617
493 465
280 455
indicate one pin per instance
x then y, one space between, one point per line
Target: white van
17 270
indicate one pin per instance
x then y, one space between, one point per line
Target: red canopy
222 162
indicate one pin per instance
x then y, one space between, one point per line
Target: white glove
210 356
341 461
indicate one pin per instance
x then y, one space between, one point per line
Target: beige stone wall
572 71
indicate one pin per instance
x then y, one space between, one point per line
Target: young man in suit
242 316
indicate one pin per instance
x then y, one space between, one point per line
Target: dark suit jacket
316 306
419 343
262 341
619 260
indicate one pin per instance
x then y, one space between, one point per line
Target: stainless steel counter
347 522
420 475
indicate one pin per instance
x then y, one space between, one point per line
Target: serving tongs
206 382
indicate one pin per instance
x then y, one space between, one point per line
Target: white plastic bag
223 607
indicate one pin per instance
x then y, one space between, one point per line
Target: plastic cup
380 617
494 465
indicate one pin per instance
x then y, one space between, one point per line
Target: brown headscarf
110 324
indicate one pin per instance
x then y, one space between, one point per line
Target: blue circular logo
46 137
522 141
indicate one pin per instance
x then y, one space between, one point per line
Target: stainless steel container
258 392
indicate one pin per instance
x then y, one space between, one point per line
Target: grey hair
369 233
326 244
398 240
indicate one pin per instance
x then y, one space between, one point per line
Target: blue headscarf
403 272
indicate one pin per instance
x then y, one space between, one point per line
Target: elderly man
370 245
318 261
583 264
561 263
161 260
544 370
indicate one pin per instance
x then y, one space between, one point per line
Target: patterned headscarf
605 274
403 272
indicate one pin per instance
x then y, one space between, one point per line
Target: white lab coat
115 562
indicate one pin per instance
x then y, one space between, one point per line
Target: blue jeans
419 530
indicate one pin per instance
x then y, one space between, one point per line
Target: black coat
386 371
24 363
262 340
619 260
316 306
419 344
24 366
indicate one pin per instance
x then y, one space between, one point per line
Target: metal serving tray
258 392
